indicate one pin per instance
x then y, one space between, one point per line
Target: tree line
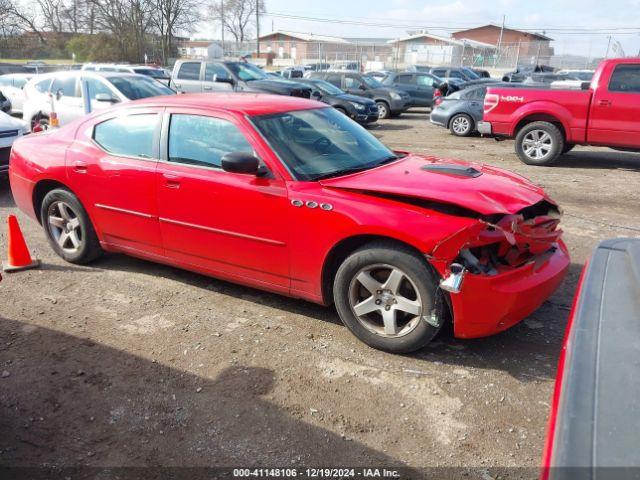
116 30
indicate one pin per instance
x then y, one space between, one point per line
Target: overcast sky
542 15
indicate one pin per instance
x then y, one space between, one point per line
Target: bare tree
172 16
236 16
21 18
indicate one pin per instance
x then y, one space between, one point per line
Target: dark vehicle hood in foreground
479 188
275 86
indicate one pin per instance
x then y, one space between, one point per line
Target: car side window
456 74
335 80
213 71
66 86
406 79
439 72
42 86
97 87
424 81
625 78
129 135
19 82
189 71
5 82
203 141
352 83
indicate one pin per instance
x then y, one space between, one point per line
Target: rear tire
398 310
383 109
68 227
539 143
461 125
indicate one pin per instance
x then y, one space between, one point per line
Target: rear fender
545 111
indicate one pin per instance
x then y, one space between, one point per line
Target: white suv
62 92
160 74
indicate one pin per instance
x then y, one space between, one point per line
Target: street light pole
258 28
222 20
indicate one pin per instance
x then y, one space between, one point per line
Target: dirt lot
125 362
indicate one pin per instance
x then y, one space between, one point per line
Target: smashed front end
501 268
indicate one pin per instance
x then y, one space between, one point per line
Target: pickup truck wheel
383 109
539 143
461 125
387 297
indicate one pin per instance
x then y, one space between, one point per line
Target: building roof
305 37
431 36
533 34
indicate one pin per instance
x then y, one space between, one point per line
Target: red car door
233 225
616 106
112 168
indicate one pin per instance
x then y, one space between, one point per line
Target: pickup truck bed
547 123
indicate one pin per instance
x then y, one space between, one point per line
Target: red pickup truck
547 123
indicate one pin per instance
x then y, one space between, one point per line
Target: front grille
300 92
9 133
4 156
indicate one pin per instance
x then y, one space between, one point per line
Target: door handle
79 166
604 103
207 88
171 181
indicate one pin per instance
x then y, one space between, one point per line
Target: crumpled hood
480 188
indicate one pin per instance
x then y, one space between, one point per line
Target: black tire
568 147
418 277
461 125
342 110
384 111
89 248
555 143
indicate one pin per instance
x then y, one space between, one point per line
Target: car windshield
327 88
246 71
371 82
151 72
321 143
136 87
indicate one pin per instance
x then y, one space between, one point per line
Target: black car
461 111
419 85
362 110
218 76
391 102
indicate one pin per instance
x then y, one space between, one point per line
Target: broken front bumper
490 304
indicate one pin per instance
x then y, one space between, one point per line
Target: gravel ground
125 362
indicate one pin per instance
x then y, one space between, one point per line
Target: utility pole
495 60
222 20
608 45
258 28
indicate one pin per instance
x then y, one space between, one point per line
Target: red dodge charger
288 195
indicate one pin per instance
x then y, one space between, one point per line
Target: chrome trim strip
122 210
223 232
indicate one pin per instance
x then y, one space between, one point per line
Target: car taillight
491 101
437 97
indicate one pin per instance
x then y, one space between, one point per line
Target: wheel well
540 117
382 100
346 247
40 191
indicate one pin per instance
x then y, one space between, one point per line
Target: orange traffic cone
18 253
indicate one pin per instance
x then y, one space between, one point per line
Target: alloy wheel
537 144
460 125
64 226
382 111
385 300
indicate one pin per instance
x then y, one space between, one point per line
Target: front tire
383 109
68 227
461 125
539 143
387 296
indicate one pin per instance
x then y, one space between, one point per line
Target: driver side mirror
316 94
59 94
105 97
241 162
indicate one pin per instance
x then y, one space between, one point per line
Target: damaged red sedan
288 195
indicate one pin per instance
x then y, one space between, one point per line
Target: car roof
85 73
243 103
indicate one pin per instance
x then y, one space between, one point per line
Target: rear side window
352 83
130 135
213 71
189 71
335 80
203 141
42 86
404 79
439 72
625 78
66 86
